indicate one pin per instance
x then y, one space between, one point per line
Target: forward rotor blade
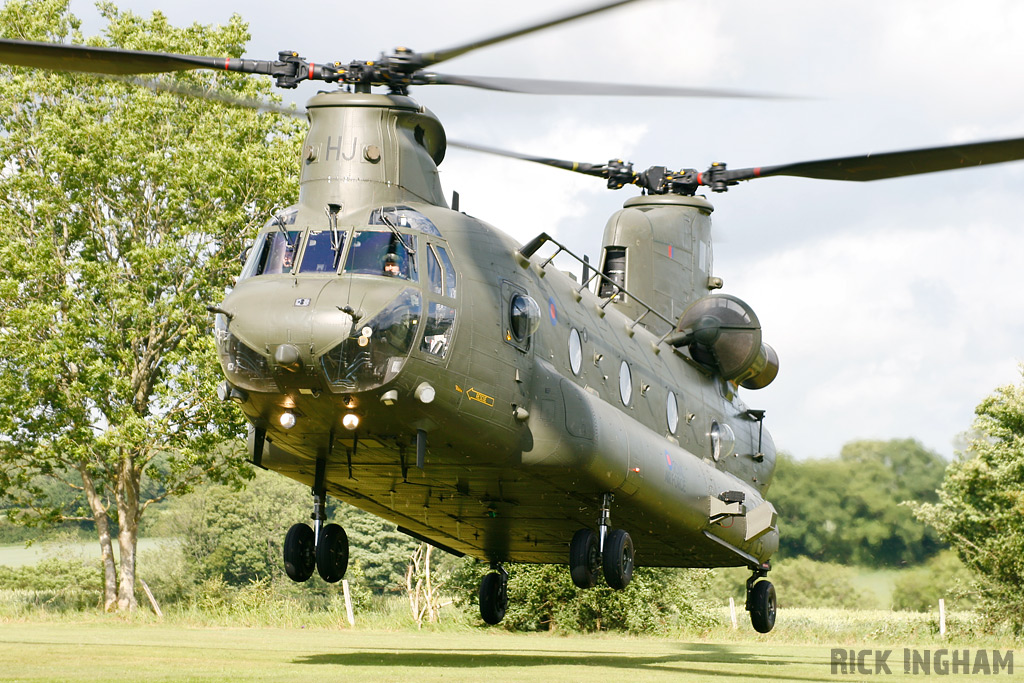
429 58
893 164
598 170
100 60
533 86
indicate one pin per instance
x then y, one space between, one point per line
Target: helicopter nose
274 329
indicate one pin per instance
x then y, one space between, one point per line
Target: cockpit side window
434 272
323 251
389 254
449 272
274 253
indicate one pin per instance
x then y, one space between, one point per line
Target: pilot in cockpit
391 267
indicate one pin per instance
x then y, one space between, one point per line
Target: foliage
233 536
980 511
849 509
543 598
51 574
800 582
122 211
944 576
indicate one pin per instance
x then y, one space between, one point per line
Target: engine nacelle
723 333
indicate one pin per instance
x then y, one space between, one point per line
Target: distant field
879 583
18 555
108 649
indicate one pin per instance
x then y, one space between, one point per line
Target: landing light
425 393
350 421
287 419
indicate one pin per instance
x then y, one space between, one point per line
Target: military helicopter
397 354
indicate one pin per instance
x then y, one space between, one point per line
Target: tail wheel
299 552
493 598
762 606
332 553
584 558
618 559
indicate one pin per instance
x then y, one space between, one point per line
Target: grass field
18 555
107 649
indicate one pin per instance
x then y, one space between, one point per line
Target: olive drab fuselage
371 320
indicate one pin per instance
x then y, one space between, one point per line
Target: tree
122 212
850 509
980 510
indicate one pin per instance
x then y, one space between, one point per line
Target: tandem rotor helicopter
411 360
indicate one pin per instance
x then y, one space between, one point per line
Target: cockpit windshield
274 253
389 254
323 251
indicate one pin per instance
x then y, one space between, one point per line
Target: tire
618 559
762 606
332 553
584 558
299 552
493 598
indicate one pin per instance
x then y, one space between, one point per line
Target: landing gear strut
611 551
761 600
494 595
324 547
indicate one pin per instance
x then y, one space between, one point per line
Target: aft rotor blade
534 86
893 164
429 58
598 170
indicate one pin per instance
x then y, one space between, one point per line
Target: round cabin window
672 413
524 317
575 351
723 440
625 383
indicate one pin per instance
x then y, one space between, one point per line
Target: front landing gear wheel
300 552
494 597
332 553
584 558
618 559
762 606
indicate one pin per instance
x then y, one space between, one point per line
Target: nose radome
287 357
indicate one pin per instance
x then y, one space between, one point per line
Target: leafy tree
122 211
944 576
980 510
235 535
380 550
850 509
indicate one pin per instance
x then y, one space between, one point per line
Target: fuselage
373 327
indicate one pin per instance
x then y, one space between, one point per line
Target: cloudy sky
895 306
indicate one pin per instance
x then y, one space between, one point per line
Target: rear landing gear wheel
618 559
332 553
494 597
762 606
584 558
300 552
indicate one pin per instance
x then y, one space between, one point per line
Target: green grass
108 648
18 555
